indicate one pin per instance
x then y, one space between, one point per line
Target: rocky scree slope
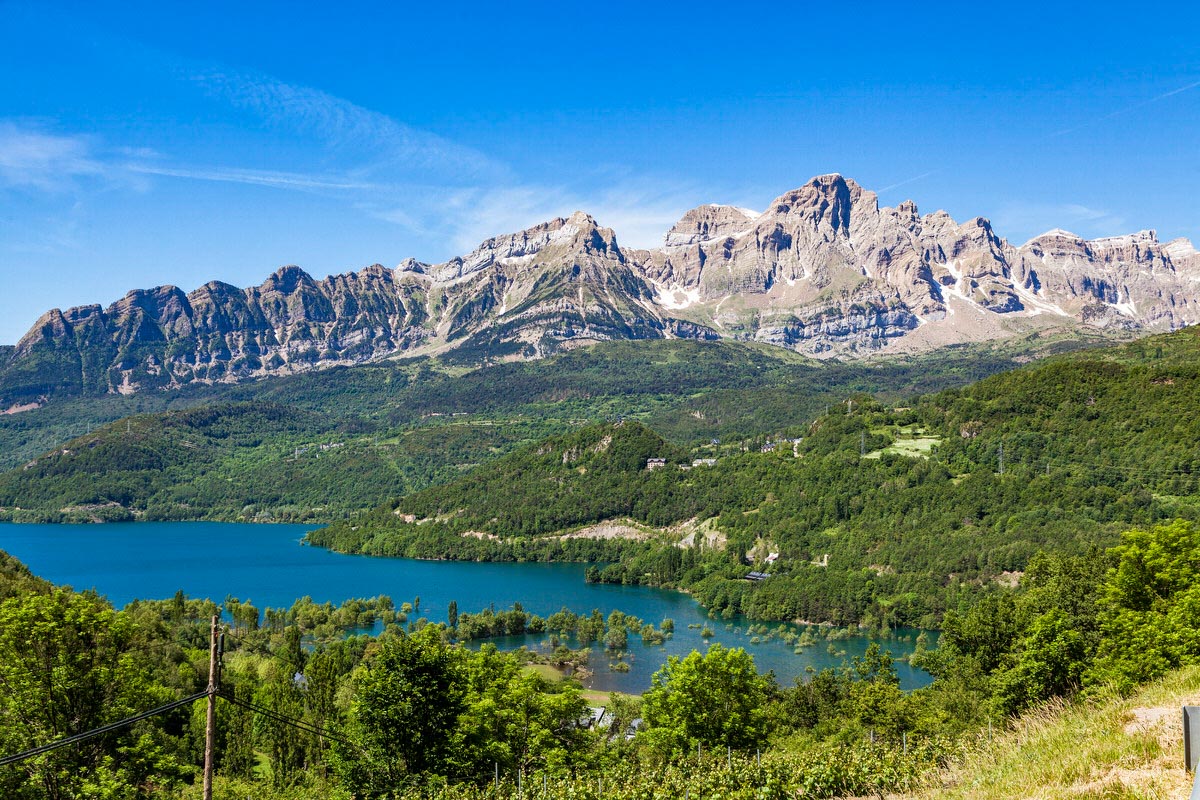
824 270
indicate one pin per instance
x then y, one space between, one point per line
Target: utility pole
210 724
1002 458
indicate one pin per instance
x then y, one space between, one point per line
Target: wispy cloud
1023 221
31 157
253 177
440 192
349 130
639 211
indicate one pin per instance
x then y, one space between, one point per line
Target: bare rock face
1132 282
524 295
710 222
823 270
826 271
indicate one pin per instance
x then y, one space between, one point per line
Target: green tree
717 699
517 720
70 663
409 695
286 747
1149 606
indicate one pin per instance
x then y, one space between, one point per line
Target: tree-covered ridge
1057 456
404 426
592 474
254 461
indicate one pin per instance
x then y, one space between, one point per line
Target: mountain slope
824 270
1114 747
407 425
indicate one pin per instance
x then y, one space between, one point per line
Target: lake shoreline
266 567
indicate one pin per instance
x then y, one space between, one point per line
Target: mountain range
823 270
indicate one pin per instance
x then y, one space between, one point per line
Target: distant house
633 728
655 463
704 462
771 557
596 717
758 576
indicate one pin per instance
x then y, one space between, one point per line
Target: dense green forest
305 711
262 450
880 514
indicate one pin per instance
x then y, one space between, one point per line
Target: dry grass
548 672
1121 748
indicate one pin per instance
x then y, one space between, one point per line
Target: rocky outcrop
823 270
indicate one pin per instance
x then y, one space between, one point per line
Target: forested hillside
1044 519
343 440
880 514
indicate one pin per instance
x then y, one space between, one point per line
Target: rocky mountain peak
1180 249
823 270
287 280
1057 233
907 210
1141 237
709 222
412 265
827 199
577 232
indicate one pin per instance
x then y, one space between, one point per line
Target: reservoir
268 566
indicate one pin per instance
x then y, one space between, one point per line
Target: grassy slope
1114 748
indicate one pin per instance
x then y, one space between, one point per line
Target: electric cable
295 723
112 726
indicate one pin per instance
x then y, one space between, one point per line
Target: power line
295 723
112 726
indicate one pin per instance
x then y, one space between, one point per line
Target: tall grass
1108 747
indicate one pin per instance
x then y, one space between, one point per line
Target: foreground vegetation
305 712
1124 747
1045 519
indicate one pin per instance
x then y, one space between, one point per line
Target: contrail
1063 132
1176 91
1125 110
907 181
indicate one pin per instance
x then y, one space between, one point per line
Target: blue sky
145 143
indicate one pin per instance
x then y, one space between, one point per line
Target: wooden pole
210 723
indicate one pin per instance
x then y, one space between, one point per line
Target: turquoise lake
268 566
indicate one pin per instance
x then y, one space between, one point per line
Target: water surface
268 566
